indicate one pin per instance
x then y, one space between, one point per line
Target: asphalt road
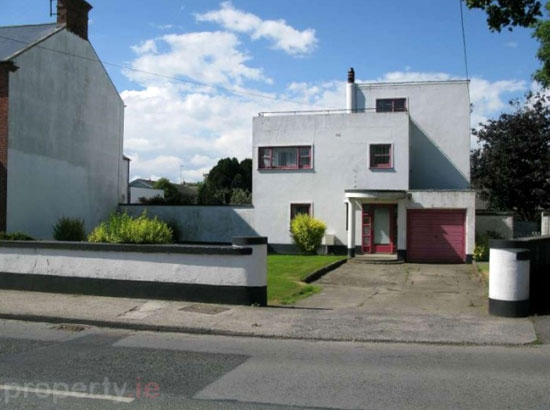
40 364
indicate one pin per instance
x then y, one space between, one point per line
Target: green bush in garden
307 233
69 229
15 236
122 228
481 249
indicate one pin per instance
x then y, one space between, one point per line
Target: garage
436 235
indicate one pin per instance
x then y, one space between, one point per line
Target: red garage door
436 235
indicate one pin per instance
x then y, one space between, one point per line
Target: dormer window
391 105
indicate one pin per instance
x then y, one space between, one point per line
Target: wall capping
123 247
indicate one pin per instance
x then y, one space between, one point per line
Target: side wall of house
65 137
439 129
340 146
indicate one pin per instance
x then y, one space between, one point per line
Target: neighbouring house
389 174
143 188
61 126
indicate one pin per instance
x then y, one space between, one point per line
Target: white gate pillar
351 228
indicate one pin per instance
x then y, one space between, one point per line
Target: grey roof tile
14 39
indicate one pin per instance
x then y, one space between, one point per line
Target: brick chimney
74 15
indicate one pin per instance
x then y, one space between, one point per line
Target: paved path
343 324
402 289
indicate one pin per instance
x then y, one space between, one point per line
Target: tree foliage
226 178
521 13
172 195
511 169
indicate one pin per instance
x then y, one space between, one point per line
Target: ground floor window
296 209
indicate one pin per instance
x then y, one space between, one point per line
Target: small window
380 156
391 105
296 209
284 158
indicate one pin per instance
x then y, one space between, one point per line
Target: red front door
378 230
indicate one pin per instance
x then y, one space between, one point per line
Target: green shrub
122 228
69 229
481 249
15 236
307 233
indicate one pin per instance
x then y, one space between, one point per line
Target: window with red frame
296 209
284 157
380 156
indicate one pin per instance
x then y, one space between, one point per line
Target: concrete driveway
405 288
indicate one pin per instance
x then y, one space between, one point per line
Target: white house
389 174
143 188
61 126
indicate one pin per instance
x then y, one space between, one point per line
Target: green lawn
483 268
285 274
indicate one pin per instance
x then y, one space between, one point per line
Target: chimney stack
350 91
73 14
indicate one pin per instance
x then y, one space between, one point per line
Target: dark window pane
384 106
391 105
296 209
380 155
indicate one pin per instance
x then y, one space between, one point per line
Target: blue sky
295 50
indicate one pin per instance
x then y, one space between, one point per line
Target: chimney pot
73 14
351 75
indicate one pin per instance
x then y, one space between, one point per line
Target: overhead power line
464 39
168 77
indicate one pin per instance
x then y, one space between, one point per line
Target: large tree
511 168
227 176
521 13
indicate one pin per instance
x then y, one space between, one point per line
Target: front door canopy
374 194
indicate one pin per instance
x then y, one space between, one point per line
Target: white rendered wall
202 223
223 270
340 161
502 224
440 129
65 138
123 181
137 192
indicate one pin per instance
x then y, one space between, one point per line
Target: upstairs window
380 156
391 105
284 157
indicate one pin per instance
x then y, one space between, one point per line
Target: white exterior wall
203 269
340 146
202 223
137 192
502 224
65 138
124 176
440 129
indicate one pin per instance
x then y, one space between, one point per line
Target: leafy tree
172 195
511 169
240 196
521 13
223 179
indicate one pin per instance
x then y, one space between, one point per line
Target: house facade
61 126
389 174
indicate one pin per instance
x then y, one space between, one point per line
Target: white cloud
162 26
208 57
283 36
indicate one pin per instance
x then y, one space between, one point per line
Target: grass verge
285 275
483 269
